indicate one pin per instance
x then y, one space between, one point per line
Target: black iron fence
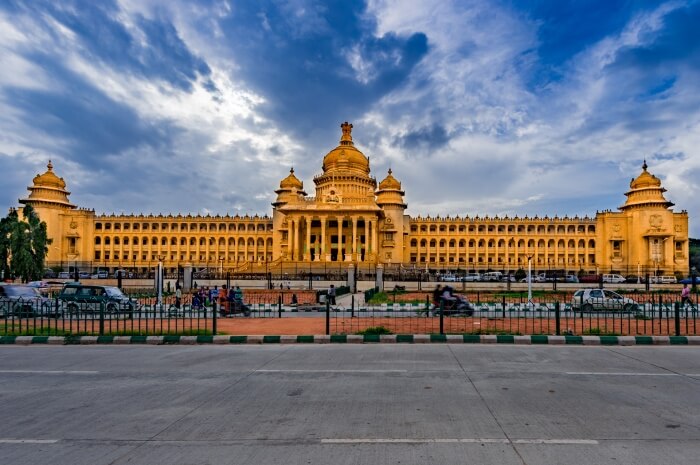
480 313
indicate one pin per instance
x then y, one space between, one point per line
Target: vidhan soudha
353 219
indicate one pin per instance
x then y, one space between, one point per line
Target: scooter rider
448 299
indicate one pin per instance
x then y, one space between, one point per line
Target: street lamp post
529 280
221 267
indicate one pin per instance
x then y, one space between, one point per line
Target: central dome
345 156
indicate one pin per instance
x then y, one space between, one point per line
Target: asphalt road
349 404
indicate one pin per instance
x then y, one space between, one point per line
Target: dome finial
291 170
49 166
389 170
346 138
644 166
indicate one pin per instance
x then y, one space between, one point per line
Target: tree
23 244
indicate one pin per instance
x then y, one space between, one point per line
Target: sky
487 108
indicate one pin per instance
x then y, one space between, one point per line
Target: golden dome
346 155
645 179
49 179
291 181
390 183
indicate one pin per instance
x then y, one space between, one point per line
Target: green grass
599 332
388 298
375 330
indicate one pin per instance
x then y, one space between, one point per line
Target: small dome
346 155
645 179
390 183
49 179
291 181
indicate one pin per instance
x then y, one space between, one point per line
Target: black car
77 298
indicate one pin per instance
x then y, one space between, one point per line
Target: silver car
589 300
25 302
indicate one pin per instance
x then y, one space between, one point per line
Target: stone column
354 238
324 246
296 239
307 255
351 277
373 227
364 245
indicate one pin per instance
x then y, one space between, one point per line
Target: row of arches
182 241
502 228
501 243
211 227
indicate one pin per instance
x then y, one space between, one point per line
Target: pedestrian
685 296
178 295
331 295
223 301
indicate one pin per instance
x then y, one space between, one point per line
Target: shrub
375 330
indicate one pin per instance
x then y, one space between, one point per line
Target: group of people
443 295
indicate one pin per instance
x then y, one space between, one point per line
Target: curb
358 339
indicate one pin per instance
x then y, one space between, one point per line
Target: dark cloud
425 139
89 124
154 50
298 56
567 27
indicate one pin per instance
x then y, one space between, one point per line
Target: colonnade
309 242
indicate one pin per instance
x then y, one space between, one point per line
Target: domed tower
290 192
70 228
391 227
345 172
646 234
291 188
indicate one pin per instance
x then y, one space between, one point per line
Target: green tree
23 244
520 274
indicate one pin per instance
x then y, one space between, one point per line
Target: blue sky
479 107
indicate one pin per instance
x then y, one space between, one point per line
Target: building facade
352 218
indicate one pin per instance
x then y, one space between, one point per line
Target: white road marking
604 373
28 441
332 371
51 372
458 441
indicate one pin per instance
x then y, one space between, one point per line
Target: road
349 404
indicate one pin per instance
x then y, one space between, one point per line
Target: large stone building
353 219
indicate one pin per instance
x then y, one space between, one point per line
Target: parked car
84 275
64 275
664 279
571 278
24 302
50 274
690 280
450 278
125 274
613 278
494 276
589 278
588 300
472 277
102 274
79 298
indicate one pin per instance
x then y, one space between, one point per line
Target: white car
471 277
662 279
613 278
588 300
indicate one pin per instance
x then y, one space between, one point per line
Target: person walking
685 296
331 295
178 295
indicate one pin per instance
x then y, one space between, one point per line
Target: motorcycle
459 306
234 307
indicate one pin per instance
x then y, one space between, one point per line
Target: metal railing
556 314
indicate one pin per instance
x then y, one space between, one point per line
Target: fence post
503 306
213 317
427 306
102 318
557 318
279 306
677 311
352 306
328 316
442 315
